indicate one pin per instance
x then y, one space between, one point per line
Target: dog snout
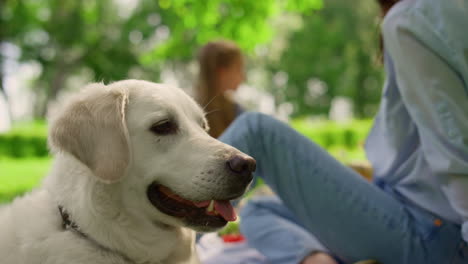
242 166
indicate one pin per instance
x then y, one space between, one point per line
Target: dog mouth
208 213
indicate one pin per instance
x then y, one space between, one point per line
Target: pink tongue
226 210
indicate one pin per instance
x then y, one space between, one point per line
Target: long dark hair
385 6
220 109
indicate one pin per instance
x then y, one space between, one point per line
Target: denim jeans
330 207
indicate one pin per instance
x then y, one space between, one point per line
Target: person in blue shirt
416 210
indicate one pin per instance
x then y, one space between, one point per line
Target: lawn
18 176
23 162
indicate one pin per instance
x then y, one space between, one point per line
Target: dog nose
242 165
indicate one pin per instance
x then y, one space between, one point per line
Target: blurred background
312 63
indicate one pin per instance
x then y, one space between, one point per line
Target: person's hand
319 258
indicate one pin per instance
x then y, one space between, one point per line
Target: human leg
273 230
351 217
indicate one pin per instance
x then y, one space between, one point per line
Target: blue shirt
419 142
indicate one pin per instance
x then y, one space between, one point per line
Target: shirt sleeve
437 100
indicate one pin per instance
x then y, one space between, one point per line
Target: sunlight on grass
18 176
31 128
21 174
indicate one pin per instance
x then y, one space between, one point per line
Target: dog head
148 142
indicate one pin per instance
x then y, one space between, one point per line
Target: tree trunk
2 88
52 88
2 26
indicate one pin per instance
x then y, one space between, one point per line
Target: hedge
30 140
25 140
329 134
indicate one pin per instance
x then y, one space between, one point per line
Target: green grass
36 128
344 141
18 176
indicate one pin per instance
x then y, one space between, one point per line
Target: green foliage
25 140
24 160
67 37
30 139
343 141
193 23
95 41
330 134
230 228
18 146
37 128
337 45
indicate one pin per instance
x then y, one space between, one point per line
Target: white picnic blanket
213 250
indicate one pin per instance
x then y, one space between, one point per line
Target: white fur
105 157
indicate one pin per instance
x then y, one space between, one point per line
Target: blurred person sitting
416 208
221 71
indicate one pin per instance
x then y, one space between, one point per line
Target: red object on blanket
233 238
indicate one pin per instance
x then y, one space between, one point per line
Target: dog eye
165 127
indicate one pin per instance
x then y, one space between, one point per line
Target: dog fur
105 157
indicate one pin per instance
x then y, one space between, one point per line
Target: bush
19 146
25 140
30 140
329 134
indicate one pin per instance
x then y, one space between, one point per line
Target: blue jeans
330 207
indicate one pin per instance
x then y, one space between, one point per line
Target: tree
2 26
68 37
64 36
333 54
2 34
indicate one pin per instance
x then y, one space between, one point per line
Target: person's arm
437 101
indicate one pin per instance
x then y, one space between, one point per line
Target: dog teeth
210 207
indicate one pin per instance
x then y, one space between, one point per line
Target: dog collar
68 224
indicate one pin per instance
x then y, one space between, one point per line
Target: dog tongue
223 207
226 210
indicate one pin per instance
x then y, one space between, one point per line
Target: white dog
134 174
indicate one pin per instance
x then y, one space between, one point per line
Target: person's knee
252 215
250 209
259 206
256 122
260 218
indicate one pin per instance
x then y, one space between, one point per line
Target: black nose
242 165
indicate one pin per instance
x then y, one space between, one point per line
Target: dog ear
92 128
